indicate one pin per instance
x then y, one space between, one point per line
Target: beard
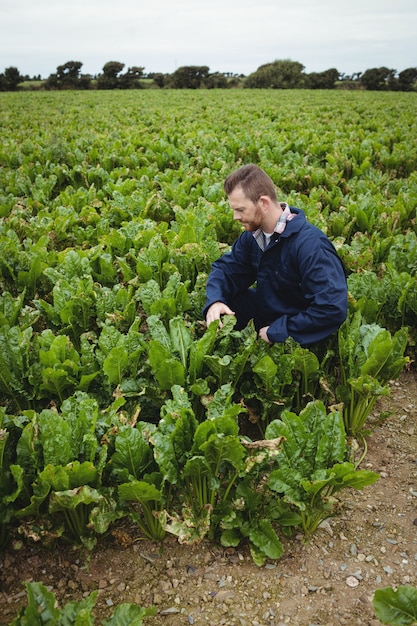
255 222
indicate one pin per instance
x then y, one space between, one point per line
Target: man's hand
216 310
263 335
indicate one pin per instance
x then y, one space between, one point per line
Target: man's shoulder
300 233
302 225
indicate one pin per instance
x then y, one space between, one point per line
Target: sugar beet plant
115 399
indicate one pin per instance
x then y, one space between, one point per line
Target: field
122 415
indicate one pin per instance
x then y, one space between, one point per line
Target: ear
265 203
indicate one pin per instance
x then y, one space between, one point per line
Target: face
249 214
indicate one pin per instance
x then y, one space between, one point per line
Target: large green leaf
180 338
129 615
198 350
41 609
14 359
132 456
55 436
221 366
167 370
10 308
72 498
265 538
396 607
139 491
332 445
115 364
223 448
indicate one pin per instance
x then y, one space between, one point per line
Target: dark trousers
245 306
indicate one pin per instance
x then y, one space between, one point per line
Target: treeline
280 74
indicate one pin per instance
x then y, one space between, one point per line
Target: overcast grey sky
227 35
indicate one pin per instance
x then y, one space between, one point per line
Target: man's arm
324 284
230 274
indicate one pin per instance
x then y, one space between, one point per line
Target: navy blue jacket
301 289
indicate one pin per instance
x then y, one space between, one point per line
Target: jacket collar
292 226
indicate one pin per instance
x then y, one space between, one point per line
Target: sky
236 36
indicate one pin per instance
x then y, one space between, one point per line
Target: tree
323 80
190 77
284 74
68 76
13 78
10 79
217 80
379 79
159 79
109 79
85 81
407 79
131 79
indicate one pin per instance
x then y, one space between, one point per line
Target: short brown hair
253 181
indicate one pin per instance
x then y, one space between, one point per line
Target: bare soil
329 581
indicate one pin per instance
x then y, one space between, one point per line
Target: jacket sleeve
233 272
324 287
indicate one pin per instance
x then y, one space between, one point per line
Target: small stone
351 581
150 557
166 586
326 526
171 611
223 595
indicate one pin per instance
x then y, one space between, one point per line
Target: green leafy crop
115 398
313 464
42 610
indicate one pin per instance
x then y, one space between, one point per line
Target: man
300 289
